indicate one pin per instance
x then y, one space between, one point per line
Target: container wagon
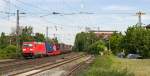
55 51
65 48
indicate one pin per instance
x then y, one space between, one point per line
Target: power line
14 5
47 33
33 6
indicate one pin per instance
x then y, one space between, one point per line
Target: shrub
97 47
11 48
9 52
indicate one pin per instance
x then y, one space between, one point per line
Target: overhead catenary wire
39 11
63 14
28 4
14 5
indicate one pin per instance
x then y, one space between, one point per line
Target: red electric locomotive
33 49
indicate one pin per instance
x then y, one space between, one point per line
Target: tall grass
102 66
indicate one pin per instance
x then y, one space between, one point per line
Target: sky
113 15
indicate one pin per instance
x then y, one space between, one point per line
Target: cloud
3 5
146 17
6 26
118 7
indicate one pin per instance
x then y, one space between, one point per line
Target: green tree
3 40
80 41
55 40
39 37
26 34
27 30
83 40
97 47
116 43
137 40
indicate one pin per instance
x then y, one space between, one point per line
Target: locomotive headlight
31 49
24 49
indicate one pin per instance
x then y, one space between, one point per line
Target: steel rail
47 66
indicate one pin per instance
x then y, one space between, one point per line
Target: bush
9 52
11 48
97 47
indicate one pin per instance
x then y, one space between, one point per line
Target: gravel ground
31 64
6 60
62 70
82 69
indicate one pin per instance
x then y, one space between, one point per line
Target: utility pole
10 41
139 14
109 45
47 33
17 31
87 29
98 28
55 35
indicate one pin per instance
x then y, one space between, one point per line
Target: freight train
34 49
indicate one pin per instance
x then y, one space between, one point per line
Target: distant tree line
89 42
136 40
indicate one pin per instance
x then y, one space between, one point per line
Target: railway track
18 62
45 67
76 68
29 64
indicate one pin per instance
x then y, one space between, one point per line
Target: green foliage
11 48
102 66
137 40
116 43
84 40
26 34
26 38
89 42
9 52
39 37
28 30
55 40
3 40
80 41
97 47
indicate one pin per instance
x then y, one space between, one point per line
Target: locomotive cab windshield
27 45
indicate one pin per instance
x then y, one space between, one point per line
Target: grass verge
102 66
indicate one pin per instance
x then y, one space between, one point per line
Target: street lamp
109 46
